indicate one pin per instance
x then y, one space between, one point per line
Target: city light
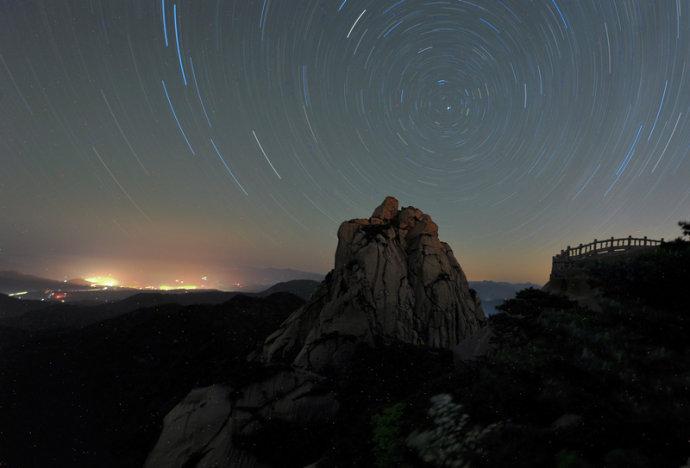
102 281
185 287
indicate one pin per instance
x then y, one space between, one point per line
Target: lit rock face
393 280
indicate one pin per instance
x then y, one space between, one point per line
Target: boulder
201 430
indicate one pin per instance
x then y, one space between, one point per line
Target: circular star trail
227 132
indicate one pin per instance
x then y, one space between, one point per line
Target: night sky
169 138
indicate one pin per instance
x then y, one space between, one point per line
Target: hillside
96 396
303 288
562 385
13 307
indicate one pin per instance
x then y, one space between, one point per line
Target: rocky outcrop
202 430
194 426
393 280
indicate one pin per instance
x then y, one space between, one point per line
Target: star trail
221 133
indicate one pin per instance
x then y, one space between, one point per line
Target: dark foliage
685 226
279 443
376 382
574 387
566 385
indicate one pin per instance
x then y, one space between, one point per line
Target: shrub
386 435
450 442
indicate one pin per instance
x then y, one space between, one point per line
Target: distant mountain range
80 290
264 280
32 317
303 288
260 278
493 293
22 316
14 281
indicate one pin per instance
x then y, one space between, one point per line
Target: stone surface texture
393 280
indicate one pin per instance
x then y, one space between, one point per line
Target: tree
685 226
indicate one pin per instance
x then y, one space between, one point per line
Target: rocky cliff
394 281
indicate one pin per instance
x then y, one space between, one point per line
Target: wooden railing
570 255
607 246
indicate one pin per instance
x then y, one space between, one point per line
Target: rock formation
201 430
393 280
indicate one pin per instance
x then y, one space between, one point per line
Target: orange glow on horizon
186 287
107 281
